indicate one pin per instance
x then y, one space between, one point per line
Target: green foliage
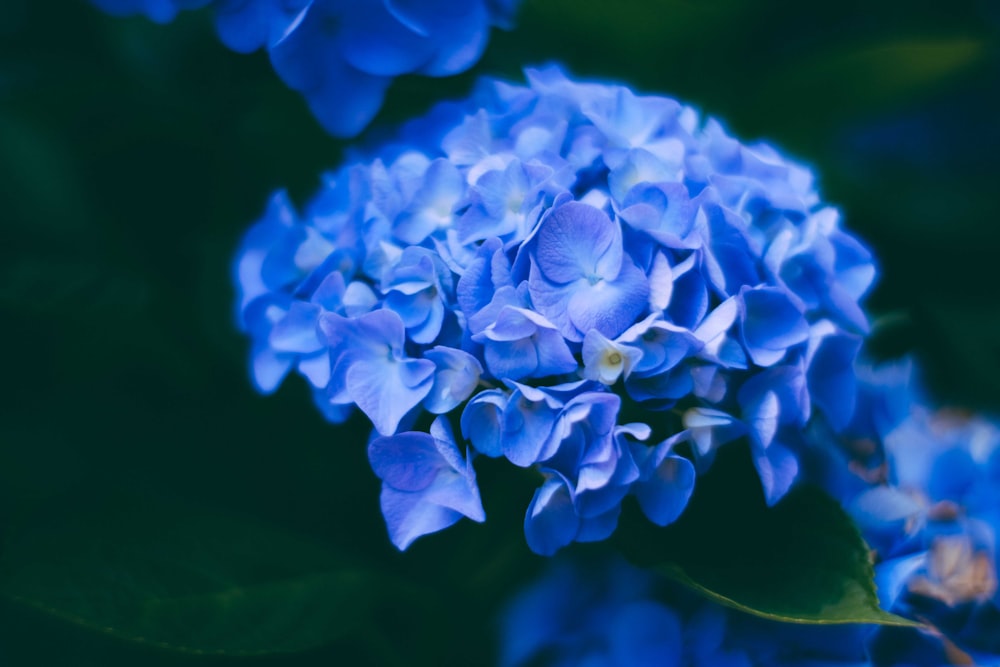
190 581
801 561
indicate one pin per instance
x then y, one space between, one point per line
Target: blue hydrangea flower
342 56
538 261
923 485
612 614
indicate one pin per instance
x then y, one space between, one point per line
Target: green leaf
801 561
188 581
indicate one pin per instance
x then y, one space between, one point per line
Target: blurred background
133 156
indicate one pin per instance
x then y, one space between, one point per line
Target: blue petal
247 25
455 379
309 61
551 521
610 306
316 369
375 42
486 274
432 207
527 425
270 368
788 384
664 211
892 577
460 42
297 330
600 527
689 299
762 418
459 493
405 461
387 389
771 323
408 516
645 634
481 421
729 263
578 241
711 428
639 167
522 343
778 467
664 496
661 390
662 344
833 383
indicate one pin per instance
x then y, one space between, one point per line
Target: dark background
133 156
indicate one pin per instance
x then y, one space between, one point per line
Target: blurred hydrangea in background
923 486
342 55
605 612
584 281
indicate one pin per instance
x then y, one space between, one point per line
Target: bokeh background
133 156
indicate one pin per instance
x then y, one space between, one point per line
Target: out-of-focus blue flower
612 614
342 56
923 486
161 11
537 262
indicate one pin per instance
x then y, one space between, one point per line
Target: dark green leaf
801 561
188 581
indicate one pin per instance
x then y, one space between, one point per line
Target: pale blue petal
551 521
664 496
578 241
297 330
270 368
778 467
409 516
455 379
482 421
387 389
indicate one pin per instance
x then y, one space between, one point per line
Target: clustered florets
579 279
923 486
343 55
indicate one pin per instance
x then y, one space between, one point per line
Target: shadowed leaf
801 561
188 581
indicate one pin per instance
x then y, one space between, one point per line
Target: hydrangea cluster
590 283
611 614
342 56
924 487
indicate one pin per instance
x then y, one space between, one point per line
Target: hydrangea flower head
342 56
586 282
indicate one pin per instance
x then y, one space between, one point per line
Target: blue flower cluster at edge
922 484
590 283
342 56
